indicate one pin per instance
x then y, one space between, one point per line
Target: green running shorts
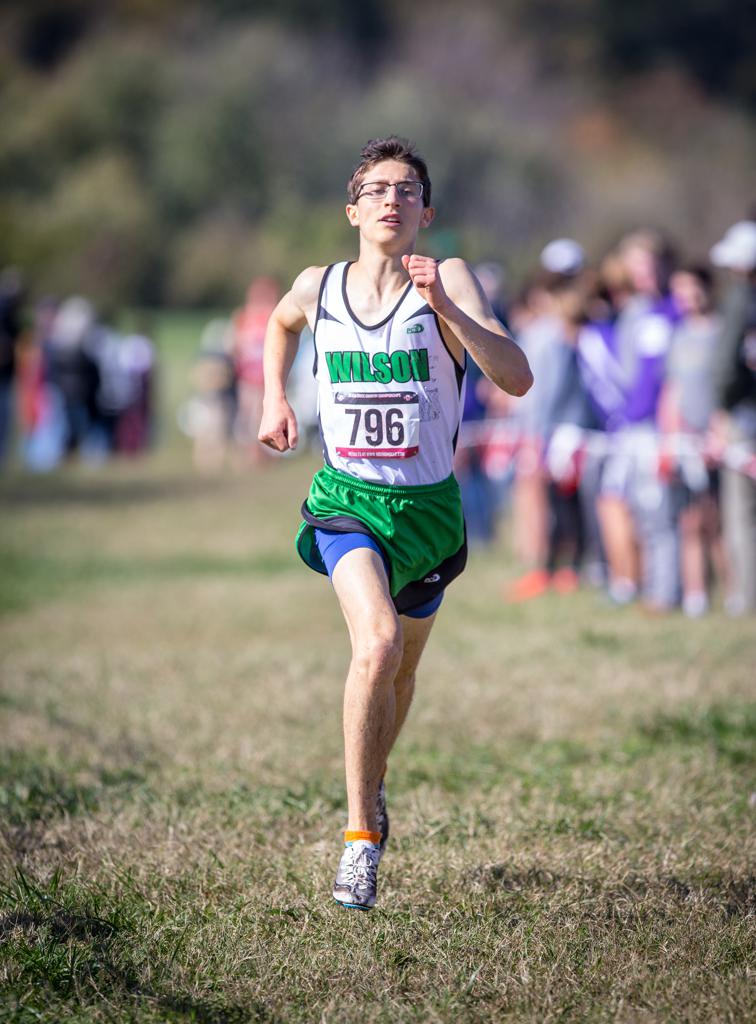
420 529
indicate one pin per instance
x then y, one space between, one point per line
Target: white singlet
390 395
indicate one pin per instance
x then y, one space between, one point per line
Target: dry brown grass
572 830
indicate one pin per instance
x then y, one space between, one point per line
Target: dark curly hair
391 148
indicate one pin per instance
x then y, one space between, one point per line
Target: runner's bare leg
415 636
416 633
379 686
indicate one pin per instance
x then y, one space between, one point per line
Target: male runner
384 517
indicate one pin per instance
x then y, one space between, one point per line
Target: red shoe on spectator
532 584
565 581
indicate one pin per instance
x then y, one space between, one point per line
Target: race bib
385 425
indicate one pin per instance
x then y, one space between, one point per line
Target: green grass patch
729 729
32 789
572 822
31 578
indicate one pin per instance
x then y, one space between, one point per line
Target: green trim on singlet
418 528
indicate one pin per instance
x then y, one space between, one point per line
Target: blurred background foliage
164 152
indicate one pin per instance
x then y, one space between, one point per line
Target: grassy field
572 799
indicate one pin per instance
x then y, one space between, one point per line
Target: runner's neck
374 285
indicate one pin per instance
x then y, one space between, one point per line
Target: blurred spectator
478 494
208 415
563 413
40 405
635 499
601 376
479 497
111 397
134 427
686 409
248 335
73 373
569 414
83 387
735 419
11 301
538 331
122 421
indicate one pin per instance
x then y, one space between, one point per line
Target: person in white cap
563 256
737 250
735 421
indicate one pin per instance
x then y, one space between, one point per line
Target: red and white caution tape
501 443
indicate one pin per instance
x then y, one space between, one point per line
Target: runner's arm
278 427
455 294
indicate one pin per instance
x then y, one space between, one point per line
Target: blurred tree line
165 151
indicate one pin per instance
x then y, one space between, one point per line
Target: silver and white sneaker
381 817
356 882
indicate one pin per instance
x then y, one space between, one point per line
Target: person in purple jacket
635 503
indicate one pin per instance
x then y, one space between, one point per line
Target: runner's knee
380 653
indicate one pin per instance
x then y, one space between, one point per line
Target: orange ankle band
352 835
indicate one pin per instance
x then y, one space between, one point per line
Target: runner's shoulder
306 287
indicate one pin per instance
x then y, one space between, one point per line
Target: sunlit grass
572 820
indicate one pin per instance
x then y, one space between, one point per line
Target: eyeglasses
374 191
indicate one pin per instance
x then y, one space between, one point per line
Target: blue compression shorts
333 545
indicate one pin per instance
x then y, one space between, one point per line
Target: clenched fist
423 271
278 429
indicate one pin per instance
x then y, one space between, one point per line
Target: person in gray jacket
735 419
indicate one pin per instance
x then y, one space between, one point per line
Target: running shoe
381 817
356 882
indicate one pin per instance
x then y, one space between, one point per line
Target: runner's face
393 221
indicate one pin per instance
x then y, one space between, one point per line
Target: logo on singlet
432 579
359 367
415 329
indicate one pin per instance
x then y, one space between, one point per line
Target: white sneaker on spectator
695 604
